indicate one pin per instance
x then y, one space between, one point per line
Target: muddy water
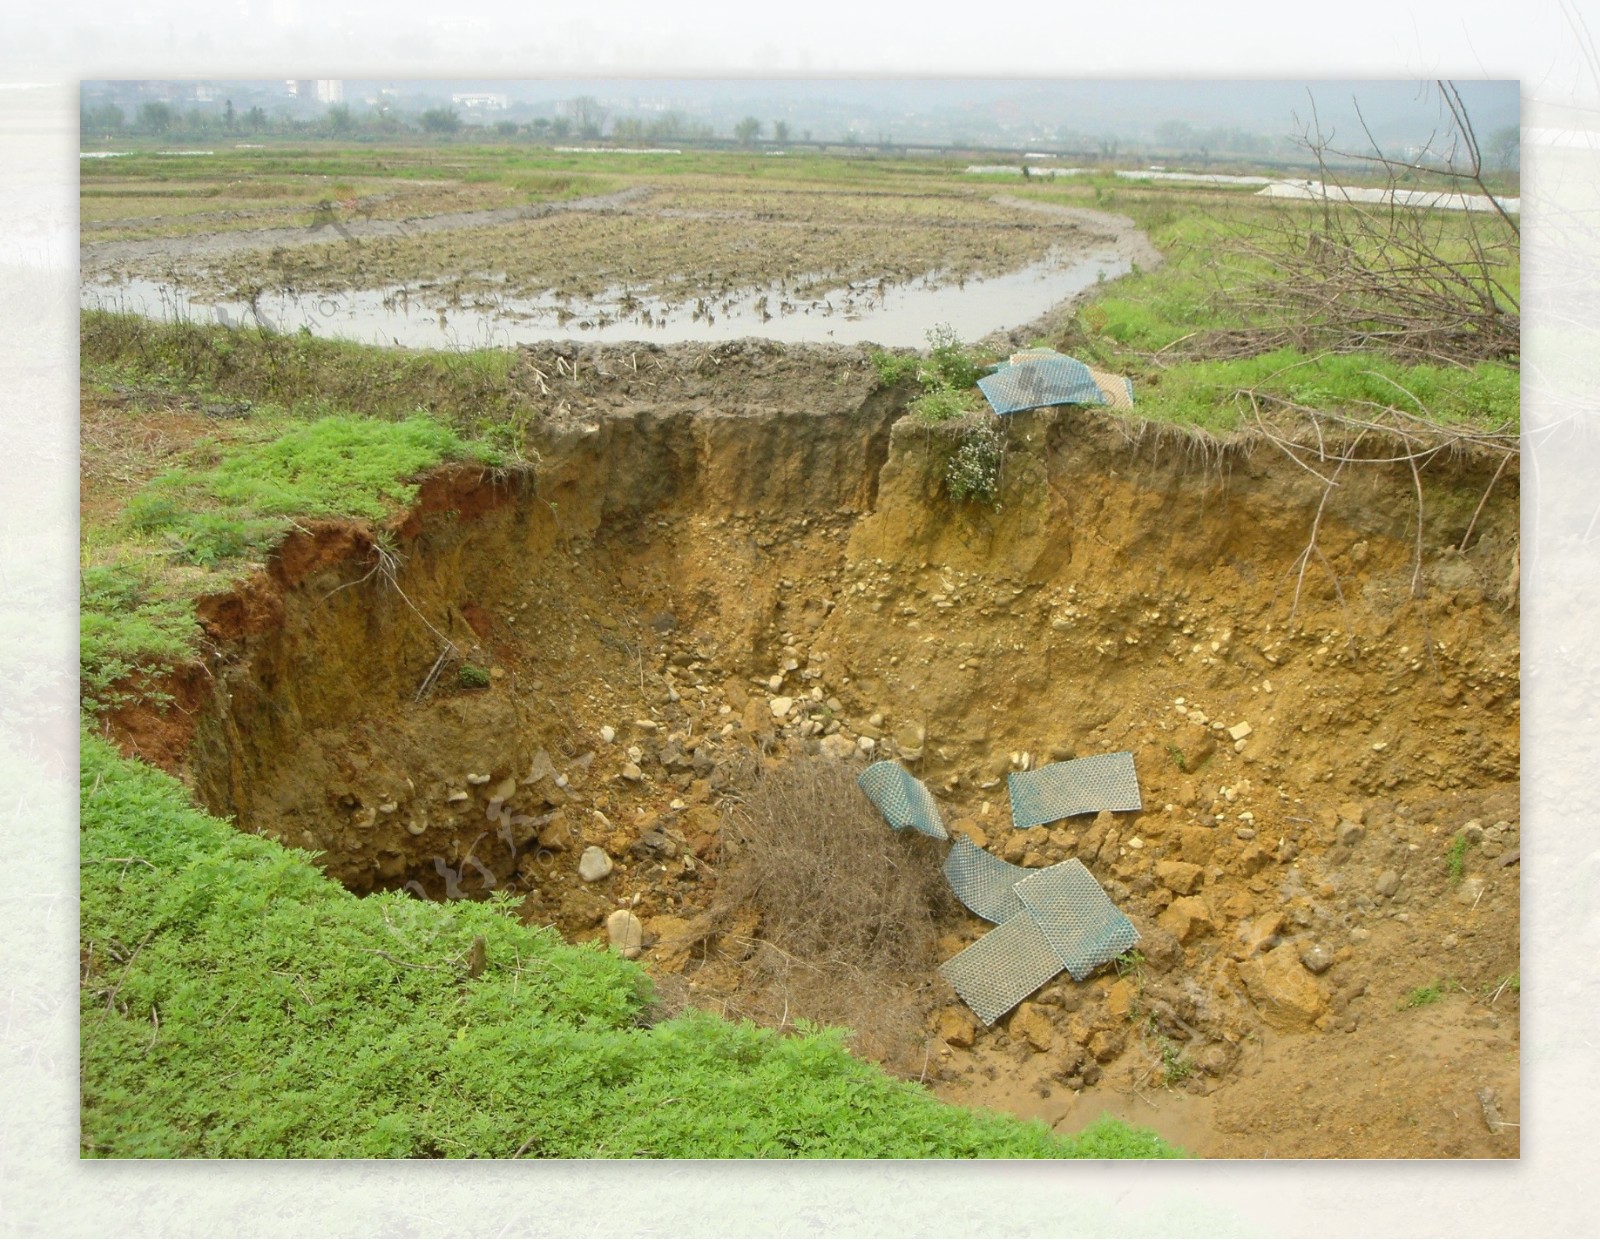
426 316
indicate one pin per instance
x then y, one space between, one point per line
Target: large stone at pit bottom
1287 997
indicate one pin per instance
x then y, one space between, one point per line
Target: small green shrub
942 404
1175 1065
950 364
1456 857
894 368
471 676
973 472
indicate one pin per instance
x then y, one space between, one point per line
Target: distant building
323 90
481 102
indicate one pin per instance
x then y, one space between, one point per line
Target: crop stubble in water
894 316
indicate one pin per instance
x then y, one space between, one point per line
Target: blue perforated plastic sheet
1047 920
1039 381
1077 918
902 799
1082 786
983 882
1038 377
1002 968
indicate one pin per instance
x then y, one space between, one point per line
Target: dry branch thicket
847 906
1419 284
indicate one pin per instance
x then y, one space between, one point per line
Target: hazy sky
369 38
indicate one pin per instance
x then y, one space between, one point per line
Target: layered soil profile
728 559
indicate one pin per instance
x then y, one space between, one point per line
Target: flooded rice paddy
430 314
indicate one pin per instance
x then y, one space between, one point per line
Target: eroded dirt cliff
746 550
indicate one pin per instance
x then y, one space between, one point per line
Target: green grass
128 625
237 1003
231 508
1455 858
337 466
1213 394
476 391
1423 996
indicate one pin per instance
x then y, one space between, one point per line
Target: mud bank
749 551
101 256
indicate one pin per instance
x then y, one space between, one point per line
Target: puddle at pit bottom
416 317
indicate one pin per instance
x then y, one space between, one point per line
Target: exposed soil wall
764 560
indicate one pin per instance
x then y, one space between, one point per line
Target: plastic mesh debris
1082 786
902 799
983 882
1117 389
1048 920
1002 968
1038 377
1076 917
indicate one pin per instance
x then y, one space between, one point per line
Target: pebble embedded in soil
837 746
626 933
595 864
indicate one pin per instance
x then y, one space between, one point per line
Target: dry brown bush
848 909
1423 285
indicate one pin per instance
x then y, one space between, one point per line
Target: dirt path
1130 243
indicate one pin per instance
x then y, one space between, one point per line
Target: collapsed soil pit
557 685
